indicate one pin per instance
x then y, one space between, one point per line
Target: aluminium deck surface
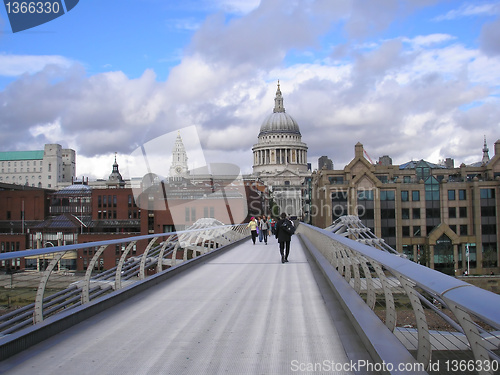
243 312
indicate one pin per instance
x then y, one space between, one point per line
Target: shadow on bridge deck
240 312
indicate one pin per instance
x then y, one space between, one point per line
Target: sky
412 79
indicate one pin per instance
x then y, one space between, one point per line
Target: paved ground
243 312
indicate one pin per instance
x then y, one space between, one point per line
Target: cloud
428 40
421 97
16 65
365 18
470 10
238 6
490 38
187 24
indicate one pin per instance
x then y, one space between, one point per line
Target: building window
388 231
462 211
387 213
336 180
423 171
462 195
404 196
415 195
387 195
431 189
405 213
488 229
416 213
406 231
408 251
366 213
463 230
365 195
432 213
490 255
487 193
452 212
488 211
451 195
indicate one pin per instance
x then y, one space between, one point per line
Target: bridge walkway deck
242 312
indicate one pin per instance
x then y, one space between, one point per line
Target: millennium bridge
208 301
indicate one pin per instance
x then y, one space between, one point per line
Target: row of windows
111 214
431 193
430 213
8 246
21 163
107 200
21 170
191 213
416 231
20 178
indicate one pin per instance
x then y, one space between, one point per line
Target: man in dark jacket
283 237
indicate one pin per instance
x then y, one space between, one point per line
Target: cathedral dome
279 121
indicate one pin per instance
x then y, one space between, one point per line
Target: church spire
486 156
278 101
179 165
115 178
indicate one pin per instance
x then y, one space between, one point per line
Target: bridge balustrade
440 320
30 297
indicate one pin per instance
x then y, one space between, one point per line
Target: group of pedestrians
263 227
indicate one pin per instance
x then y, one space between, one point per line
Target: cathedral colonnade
280 156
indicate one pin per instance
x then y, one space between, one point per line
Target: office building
444 217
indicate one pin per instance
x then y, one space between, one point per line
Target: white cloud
470 10
428 40
238 6
15 65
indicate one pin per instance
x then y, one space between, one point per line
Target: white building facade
45 168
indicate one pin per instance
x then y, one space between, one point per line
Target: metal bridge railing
34 296
443 322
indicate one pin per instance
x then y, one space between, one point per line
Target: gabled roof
414 163
64 221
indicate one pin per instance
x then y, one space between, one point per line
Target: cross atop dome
278 100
